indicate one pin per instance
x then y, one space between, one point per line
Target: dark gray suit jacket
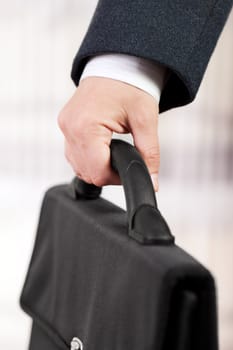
180 34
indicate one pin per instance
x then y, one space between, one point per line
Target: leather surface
40 339
88 278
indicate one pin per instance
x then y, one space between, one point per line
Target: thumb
145 134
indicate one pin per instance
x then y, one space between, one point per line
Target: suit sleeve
178 34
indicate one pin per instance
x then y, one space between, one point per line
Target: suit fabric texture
178 34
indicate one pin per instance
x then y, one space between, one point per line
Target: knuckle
61 119
82 127
71 123
77 128
151 153
144 117
141 120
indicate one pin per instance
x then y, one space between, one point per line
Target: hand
99 107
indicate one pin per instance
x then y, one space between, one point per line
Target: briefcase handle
146 224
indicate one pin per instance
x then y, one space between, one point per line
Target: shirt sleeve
142 73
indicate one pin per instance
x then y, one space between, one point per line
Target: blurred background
38 42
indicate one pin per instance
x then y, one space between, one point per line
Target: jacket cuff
181 38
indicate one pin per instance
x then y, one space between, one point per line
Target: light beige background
38 42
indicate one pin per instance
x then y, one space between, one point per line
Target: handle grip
146 224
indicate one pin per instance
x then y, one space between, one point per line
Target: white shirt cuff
137 71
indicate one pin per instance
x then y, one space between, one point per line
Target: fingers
75 161
144 127
99 166
98 108
90 161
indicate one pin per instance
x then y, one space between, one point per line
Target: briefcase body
103 279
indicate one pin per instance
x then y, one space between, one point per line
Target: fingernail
154 178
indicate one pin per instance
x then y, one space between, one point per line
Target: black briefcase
103 279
